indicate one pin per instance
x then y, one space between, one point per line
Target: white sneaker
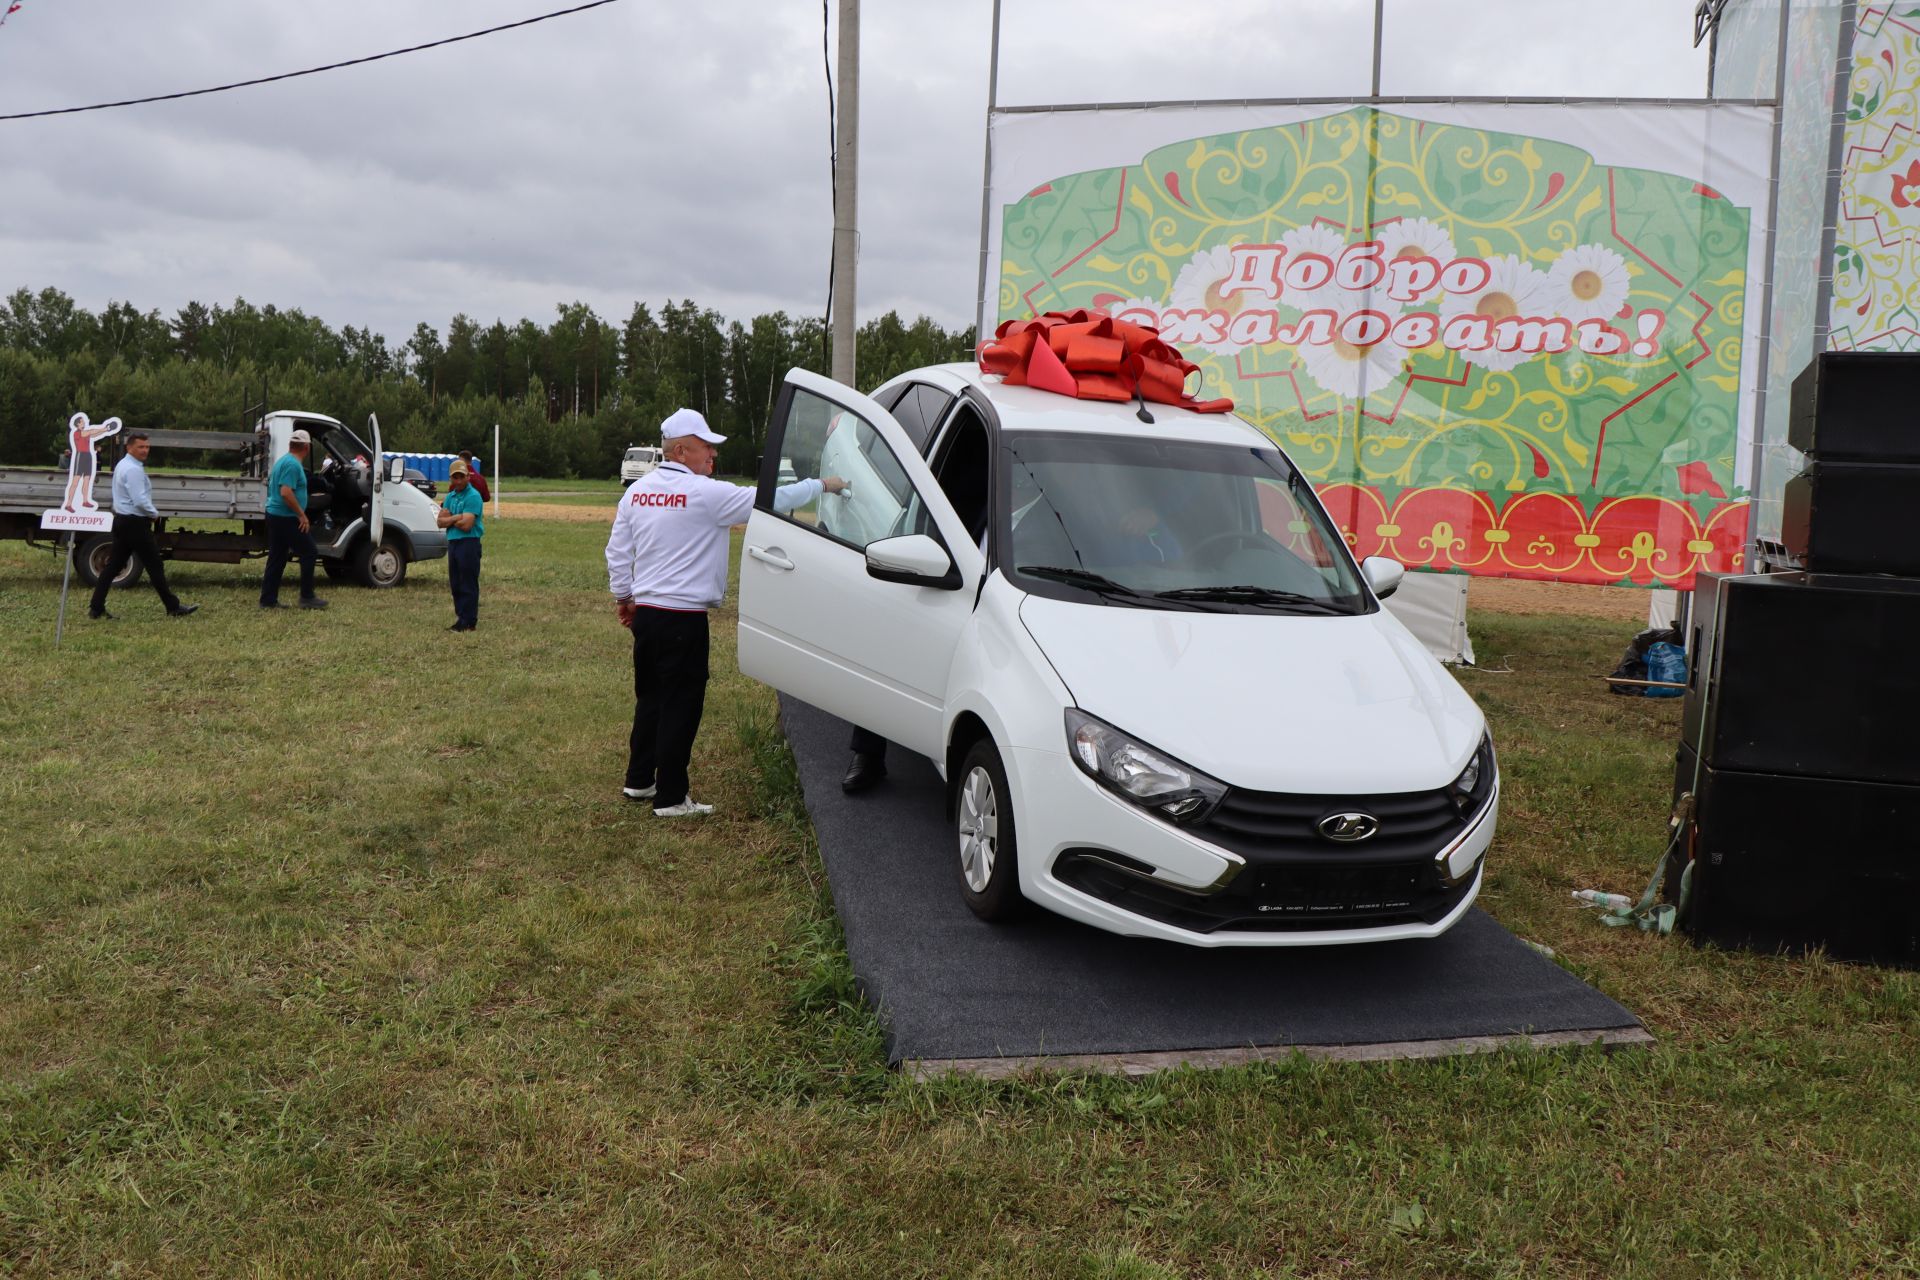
688 808
637 793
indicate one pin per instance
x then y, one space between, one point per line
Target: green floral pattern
1657 418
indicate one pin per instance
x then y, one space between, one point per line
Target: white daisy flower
1416 238
1513 289
1353 372
1197 288
1588 282
1144 311
1326 242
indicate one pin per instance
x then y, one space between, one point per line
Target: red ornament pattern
1643 541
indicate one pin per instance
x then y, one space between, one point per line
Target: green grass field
329 949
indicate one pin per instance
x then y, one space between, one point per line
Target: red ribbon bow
1091 356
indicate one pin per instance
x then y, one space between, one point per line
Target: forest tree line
569 397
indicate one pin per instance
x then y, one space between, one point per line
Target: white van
639 460
1165 700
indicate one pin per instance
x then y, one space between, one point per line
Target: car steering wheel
1209 550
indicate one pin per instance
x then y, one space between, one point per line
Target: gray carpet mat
948 986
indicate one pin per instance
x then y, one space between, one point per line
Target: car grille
1288 899
1296 879
1413 824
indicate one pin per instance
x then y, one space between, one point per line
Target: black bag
1633 663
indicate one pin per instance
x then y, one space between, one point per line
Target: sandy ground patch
1515 595
567 512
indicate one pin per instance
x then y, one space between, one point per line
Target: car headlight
1469 791
1136 771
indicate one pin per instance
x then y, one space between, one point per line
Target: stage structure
1504 337
1847 76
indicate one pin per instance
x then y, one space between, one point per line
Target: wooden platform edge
1142 1064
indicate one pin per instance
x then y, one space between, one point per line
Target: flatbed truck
369 524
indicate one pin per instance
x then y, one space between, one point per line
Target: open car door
855 601
377 468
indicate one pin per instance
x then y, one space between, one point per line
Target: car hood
1315 705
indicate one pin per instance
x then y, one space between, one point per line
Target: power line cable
310 71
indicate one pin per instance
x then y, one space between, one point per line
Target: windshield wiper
1291 600
1081 578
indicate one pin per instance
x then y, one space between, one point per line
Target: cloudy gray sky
642 150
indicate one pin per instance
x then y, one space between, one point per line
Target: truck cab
639 460
357 542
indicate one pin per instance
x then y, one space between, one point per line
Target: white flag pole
496 471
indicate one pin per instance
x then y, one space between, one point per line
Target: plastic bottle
1595 898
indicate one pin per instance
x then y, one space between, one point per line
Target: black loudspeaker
1857 406
1783 676
1853 517
1782 863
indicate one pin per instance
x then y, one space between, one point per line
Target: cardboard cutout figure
79 510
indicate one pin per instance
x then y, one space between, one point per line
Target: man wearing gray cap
666 566
288 531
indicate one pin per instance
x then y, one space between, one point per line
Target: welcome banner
1502 339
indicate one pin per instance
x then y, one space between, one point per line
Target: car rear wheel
983 826
90 561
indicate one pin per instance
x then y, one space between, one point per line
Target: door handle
768 556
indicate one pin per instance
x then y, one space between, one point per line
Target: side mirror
1382 574
396 469
914 560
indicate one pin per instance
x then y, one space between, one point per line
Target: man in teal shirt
460 517
287 529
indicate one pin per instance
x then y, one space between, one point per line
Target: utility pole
846 204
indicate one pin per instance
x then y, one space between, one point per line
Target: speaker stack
1798 777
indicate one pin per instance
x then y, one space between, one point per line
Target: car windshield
1164 524
345 446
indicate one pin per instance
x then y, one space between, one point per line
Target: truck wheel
90 561
379 567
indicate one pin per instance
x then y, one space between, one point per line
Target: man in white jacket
666 566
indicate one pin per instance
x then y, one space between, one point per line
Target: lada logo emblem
1348 828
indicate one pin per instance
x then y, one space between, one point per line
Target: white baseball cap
300 436
688 422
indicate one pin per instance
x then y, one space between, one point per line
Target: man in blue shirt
133 517
288 530
460 517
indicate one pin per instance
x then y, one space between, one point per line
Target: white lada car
1165 700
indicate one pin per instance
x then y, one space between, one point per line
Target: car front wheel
983 825
379 567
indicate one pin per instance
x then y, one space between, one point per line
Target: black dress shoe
183 610
460 626
274 604
98 616
312 602
864 772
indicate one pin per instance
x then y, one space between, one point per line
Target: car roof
1023 409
